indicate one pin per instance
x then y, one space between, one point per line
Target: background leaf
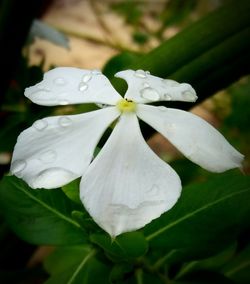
238 268
74 265
39 216
126 246
207 217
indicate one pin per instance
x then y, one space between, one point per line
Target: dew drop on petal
162 108
63 103
171 127
83 87
170 83
52 178
18 166
150 94
146 85
60 81
40 124
41 86
140 74
86 78
154 191
64 121
102 105
167 97
189 96
96 72
48 156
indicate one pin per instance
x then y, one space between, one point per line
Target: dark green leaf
72 190
204 277
120 62
238 268
120 271
126 246
213 263
39 216
207 217
74 265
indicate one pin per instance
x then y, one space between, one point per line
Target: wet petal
146 88
127 185
56 150
68 85
193 136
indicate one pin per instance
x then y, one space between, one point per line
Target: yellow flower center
125 105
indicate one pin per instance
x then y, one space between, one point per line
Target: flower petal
56 150
127 185
193 136
68 85
145 88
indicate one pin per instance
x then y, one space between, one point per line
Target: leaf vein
81 265
43 204
189 215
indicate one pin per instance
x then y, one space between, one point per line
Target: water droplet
150 94
147 73
187 95
52 178
86 78
48 156
42 87
18 166
162 108
171 127
146 85
154 190
40 124
167 97
63 103
83 87
59 81
140 74
170 83
64 121
102 105
96 72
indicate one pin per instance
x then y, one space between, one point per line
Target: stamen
125 105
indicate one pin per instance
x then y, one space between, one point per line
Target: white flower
126 186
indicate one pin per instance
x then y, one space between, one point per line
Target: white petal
145 88
193 136
127 185
68 85
56 150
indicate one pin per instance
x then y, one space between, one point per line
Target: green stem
139 276
163 260
186 269
206 47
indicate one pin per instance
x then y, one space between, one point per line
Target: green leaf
72 190
74 265
120 271
126 246
207 217
39 216
213 263
204 277
238 268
